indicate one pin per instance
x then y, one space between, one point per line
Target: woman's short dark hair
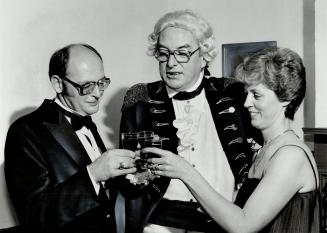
281 70
59 59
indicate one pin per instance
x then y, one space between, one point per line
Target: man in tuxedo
57 168
203 119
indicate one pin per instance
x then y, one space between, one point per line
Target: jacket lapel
61 130
162 115
227 117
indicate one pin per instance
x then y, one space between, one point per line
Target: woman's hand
168 164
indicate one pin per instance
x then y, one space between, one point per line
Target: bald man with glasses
58 170
201 118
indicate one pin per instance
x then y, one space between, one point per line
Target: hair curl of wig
188 20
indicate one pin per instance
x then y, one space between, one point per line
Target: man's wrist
95 183
92 172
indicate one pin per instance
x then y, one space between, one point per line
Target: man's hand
112 163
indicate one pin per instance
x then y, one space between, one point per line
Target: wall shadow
5 196
21 113
113 115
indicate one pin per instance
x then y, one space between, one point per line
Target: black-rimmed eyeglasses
181 55
88 88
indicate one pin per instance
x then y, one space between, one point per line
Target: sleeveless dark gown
300 215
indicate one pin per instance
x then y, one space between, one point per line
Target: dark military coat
148 107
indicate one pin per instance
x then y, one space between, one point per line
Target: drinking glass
142 162
153 142
129 141
142 136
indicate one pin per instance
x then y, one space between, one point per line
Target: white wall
31 31
321 58
309 60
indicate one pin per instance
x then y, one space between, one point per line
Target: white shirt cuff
95 184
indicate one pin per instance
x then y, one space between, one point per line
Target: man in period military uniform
57 168
202 119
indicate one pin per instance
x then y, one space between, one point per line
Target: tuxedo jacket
148 107
47 179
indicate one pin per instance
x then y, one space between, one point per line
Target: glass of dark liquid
136 142
129 141
154 142
142 138
142 163
144 135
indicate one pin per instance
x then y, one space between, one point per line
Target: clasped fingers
125 163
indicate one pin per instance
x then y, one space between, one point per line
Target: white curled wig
188 20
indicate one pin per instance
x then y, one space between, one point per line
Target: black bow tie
184 95
78 121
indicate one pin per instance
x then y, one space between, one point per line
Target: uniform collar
172 93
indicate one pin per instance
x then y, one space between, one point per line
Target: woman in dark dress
281 193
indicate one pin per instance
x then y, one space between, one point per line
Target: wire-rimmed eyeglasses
181 55
88 88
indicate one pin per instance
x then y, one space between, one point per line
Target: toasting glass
154 142
142 162
142 136
129 141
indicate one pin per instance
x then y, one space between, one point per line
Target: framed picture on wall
233 54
